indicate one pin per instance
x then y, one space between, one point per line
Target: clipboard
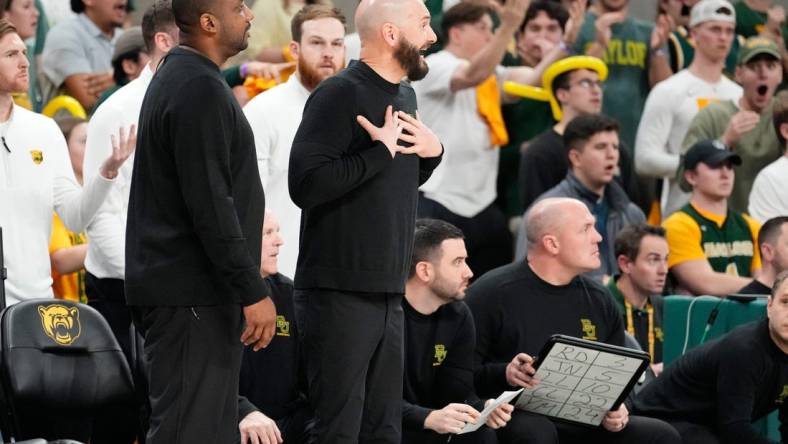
580 380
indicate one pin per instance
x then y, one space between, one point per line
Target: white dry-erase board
580 381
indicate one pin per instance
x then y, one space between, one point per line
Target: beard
446 291
311 77
409 58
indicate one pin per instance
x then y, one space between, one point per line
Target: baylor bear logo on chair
60 323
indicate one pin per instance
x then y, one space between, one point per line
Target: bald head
549 216
371 15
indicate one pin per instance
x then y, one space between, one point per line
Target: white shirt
667 116
107 231
274 117
465 180
36 179
769 195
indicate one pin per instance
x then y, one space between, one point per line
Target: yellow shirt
684 237
70 286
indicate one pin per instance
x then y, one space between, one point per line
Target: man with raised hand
357 161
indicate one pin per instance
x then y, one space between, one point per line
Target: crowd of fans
636 159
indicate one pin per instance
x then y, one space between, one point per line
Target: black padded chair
60 369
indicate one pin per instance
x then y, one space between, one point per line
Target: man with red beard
357 160
318 45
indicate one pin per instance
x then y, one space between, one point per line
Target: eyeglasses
589 84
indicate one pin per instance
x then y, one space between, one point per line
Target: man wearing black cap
712 247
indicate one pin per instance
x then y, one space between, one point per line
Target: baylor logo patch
440 354
37 156
780 399
282 326
60 323
589 329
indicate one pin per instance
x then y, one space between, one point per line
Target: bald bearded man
518 307
356 163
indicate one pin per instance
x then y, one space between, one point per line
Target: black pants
352 344
487 236
192 360
108 297
484 435
537 429
692 433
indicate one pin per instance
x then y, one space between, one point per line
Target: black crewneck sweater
359 204
196 205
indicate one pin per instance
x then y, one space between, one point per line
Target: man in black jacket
713 393
193 233
518 307
357 187
439 396
272 404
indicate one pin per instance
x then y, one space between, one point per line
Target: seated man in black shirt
713 393
518 307
773 245
272 406
438 391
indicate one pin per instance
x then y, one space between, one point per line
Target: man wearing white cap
673 103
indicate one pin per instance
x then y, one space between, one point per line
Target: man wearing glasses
576 89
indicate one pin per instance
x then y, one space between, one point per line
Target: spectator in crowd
357 187
715 391
745 126
439 397
274 115
642 254
542 30
129 58
193 234
681 44
764 18
773 246
25 16
577 89
273 407
768 198
673 103
36 179
634 51
592 145
67 249
105 261
518 307
77 57
712 246
460 100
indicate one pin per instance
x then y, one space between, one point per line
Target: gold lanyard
631 326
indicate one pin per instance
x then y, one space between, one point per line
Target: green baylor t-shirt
627 57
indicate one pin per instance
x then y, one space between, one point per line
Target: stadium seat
684 322
60 368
